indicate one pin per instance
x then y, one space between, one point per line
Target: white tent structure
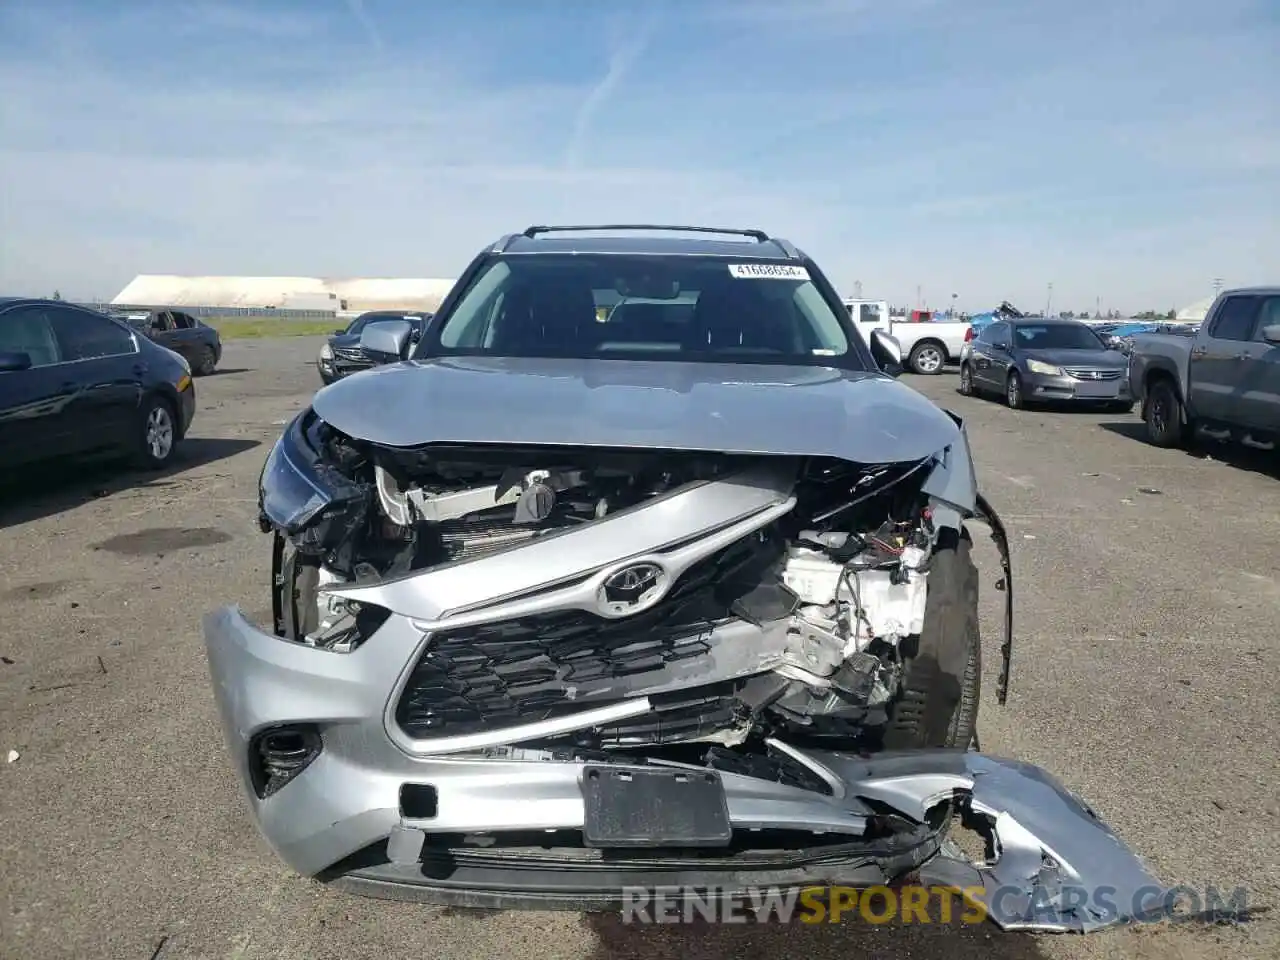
1195 312
285 293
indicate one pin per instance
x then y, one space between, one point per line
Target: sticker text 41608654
768 271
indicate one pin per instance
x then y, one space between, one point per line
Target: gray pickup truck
1223 381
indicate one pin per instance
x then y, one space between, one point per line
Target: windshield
1056 336
619 306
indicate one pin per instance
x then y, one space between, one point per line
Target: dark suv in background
343 355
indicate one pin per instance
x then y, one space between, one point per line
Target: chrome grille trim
1090 374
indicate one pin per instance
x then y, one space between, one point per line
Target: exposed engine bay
802 623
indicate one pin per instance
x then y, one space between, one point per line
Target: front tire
1013 392
927 359
1163 415
937 705
966 380
157 433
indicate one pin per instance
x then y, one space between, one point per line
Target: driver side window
470 326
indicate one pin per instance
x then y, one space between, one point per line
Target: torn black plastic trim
987 514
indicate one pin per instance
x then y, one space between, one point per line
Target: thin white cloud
620 64
370 28
265 23
1134 171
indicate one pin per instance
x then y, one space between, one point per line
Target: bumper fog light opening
278 755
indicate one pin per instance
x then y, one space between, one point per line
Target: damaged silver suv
643 567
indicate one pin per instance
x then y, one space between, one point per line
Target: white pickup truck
927 346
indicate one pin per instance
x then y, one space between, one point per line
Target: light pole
857 289
1048 303
1217 286
953 306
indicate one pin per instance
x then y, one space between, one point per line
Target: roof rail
787 247
759 235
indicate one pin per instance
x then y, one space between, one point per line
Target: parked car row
1219 379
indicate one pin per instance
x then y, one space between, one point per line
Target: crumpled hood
345 340
735 408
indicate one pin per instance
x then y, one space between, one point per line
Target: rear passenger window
28 330
87 336
1235 319
1268 316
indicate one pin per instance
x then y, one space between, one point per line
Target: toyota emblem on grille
635 586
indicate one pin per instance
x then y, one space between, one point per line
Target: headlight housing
326 352
303 496
1048 369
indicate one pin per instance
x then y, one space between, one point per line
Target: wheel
157 436
966 380
927 359
1013 391
1163 415
205 362
937 705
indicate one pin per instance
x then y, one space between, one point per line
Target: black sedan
342 355
77 383
1031 360
180 332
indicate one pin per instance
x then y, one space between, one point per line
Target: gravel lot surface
1144 675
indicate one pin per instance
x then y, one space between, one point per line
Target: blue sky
1123 151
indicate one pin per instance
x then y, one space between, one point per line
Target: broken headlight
299 494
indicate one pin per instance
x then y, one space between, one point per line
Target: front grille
1083 373
528 669
350 354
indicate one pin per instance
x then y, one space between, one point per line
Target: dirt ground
1148 594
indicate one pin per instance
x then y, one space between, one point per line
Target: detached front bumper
348 818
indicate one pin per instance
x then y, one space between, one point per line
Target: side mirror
387 340
13 361
1002 345
887 352
1271 333
339 332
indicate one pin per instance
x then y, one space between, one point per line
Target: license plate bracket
653 807
1099 389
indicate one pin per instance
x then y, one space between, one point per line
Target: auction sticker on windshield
768 271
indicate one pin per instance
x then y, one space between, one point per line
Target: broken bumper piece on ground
503 827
